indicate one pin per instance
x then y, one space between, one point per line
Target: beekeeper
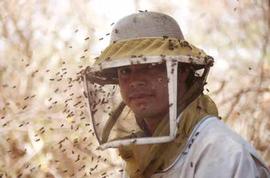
145 94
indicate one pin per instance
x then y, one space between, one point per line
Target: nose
137 83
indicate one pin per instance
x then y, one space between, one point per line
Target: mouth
140 96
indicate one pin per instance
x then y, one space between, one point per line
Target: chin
148 110
147 113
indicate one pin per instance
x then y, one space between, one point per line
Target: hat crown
146 25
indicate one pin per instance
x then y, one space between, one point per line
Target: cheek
162 81
123 91
161 87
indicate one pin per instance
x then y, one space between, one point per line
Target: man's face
144 88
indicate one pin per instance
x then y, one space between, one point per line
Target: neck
152 123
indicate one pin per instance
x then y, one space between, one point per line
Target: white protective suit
215 151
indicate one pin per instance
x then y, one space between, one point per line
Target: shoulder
214 150
214 134
218 149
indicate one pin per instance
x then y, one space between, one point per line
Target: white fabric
215 151
145 25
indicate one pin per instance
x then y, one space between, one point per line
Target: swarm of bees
52 136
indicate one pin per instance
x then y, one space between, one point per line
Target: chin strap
111 121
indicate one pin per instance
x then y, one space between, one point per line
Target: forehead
150 66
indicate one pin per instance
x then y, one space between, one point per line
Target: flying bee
82 168
133 56
185 44
162 55
77 103
78 158
165 37
209 60
171 45
82 118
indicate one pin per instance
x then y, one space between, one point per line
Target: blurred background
44 46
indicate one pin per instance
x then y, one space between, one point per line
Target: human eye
124 71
